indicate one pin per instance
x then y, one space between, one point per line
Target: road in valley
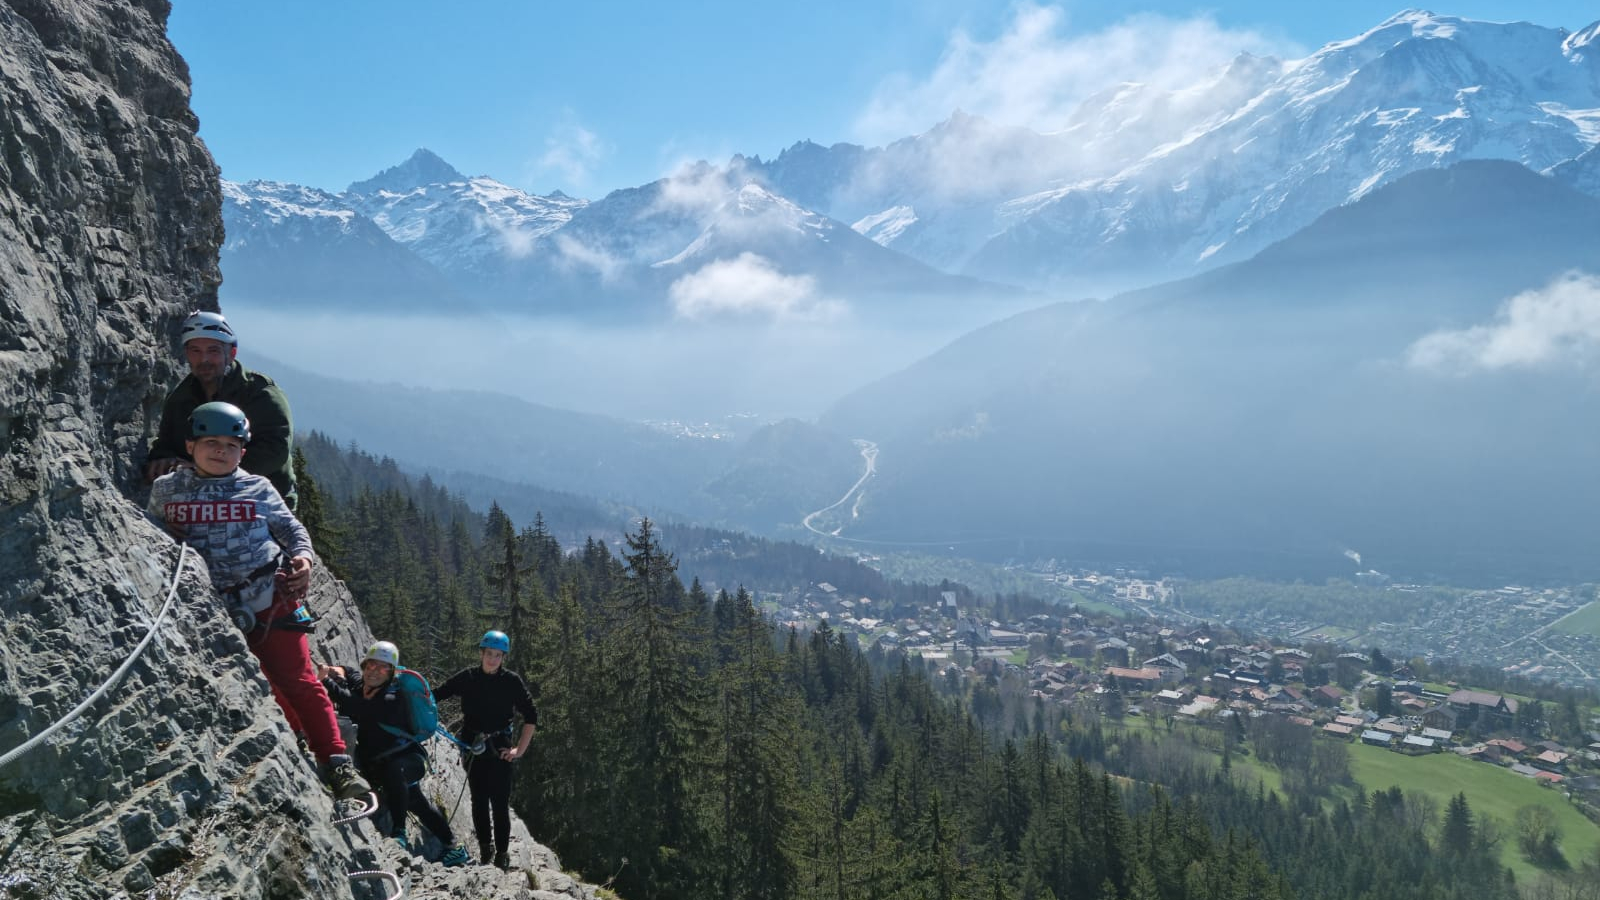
869 453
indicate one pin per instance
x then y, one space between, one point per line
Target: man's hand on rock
164 466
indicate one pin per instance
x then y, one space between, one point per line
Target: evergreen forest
690 748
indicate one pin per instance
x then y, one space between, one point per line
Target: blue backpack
413 690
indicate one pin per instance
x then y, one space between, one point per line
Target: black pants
489 778
398 775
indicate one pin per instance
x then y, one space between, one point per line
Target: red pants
286 661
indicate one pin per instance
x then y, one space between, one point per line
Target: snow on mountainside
1582 173
510 249
1146 183
1141 184
465 224
288 243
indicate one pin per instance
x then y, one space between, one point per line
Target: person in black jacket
491 695
396 763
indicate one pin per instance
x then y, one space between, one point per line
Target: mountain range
1361 282
1142 184
1406 377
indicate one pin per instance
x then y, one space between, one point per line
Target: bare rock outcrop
182 780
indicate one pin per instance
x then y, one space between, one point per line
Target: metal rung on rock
366 874
369 806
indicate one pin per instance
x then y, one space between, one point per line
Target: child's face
215 455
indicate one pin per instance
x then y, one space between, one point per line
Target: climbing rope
44 735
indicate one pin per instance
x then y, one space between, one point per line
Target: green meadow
1491 791
1584 621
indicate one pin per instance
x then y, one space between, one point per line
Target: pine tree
1456 837
661 725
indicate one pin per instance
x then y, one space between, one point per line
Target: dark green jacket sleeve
169 440
271 431
271 449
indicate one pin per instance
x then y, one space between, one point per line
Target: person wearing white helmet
211 349
395 763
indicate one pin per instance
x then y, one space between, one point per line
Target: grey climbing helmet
218 418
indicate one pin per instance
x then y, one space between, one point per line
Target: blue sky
592 96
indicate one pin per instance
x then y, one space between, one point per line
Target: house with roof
1377 738
1327 695
1172 669
1492 710
1442 717
1509 746
1413 743
1335 730
1550 760
1134 679
1437 735
1199 706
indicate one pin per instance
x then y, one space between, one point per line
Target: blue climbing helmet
496 640
218 418
209 325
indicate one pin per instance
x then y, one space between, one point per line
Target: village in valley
1131 651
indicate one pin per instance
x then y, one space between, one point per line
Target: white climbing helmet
208 325
383 652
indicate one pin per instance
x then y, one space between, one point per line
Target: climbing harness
77 711
247 620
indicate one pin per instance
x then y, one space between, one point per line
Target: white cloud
750 286
516 242
571 153
1035 73
695 189
1554 325
574 254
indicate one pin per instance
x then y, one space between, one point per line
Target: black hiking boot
502 860
341 777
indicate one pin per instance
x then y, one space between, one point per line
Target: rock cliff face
183 779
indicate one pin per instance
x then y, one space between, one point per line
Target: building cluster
1203 674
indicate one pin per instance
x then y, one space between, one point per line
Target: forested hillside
688 748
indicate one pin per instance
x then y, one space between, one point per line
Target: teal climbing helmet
209 325
496 640
218 418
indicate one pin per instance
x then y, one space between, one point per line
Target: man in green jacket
210 347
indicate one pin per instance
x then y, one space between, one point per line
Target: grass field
1247 770
1490 790
1584 621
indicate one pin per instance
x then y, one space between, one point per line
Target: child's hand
299 575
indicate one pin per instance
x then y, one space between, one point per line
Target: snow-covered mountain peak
277 201
461 222
422 168
1582 41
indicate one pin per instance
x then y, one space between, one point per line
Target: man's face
216 455
375 674
208 359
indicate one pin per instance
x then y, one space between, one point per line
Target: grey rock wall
182 781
